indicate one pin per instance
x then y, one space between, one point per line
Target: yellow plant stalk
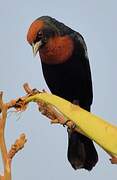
96 128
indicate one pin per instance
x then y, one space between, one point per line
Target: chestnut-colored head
40 31
51 39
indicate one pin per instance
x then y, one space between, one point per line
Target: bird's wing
88 90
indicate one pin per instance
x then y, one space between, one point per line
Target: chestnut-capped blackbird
66 70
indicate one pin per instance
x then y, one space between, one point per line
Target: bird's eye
40 34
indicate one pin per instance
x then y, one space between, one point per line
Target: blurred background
45 153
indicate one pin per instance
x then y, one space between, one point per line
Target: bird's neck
57 50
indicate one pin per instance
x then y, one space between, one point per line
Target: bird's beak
36 46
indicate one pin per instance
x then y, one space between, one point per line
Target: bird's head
51 38
40 31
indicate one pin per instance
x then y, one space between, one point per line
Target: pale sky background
45 154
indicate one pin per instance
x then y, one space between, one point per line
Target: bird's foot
60 120
71 125
55 116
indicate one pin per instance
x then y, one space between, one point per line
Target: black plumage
72 81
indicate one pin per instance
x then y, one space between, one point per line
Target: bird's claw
55 116
71 125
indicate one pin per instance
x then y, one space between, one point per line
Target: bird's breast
57 50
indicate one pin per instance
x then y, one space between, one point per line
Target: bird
66 70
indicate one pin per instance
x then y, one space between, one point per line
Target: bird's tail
81 151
